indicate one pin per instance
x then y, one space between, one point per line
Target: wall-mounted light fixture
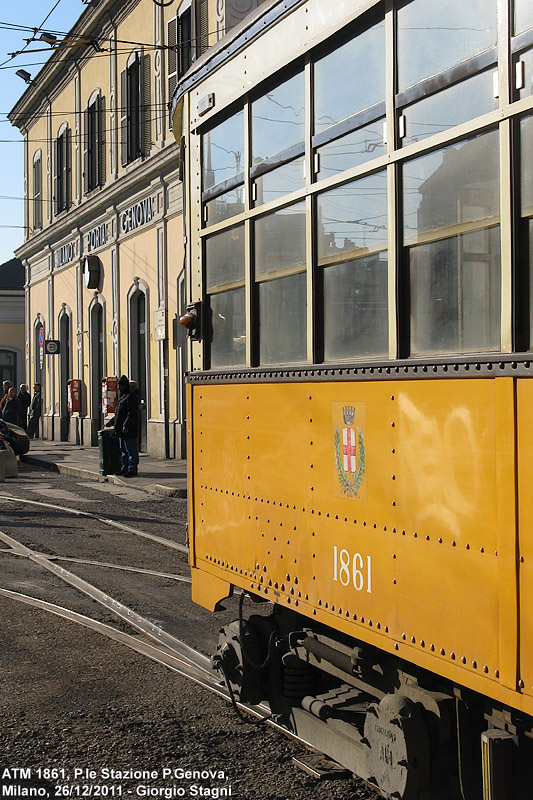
25 76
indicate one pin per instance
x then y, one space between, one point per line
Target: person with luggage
126 426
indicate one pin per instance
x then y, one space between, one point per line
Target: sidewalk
164 476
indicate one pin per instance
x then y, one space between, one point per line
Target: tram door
97 369
64 375
138 358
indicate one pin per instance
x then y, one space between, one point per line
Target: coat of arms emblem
349 453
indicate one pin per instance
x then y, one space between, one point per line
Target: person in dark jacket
34 414
25 401
126 425
12 410
6 386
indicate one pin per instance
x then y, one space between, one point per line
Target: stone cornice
158 166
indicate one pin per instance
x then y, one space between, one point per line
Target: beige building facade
104 246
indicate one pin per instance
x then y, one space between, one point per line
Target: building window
37 191
135 120
94 140
180 53
62 170
8 366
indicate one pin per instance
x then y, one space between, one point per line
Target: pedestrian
126 425
25 401
34 414
12 410
6 386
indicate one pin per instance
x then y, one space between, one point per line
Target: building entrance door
138 344
97 369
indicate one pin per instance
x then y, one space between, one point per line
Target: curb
78 472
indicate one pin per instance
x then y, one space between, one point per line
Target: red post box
109 395
74 395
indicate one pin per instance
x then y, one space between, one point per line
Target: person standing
25 401
35 411
126 425
12 410
6 386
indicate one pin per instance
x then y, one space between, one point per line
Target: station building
104 241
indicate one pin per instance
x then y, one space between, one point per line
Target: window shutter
56 175
184 42
86 149
124 117
96 140
146 107
202 29
37 194
66 168
101 123
173 56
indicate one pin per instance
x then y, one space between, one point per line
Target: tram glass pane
224 257
283 320
523 15
228 321
280 240
279 182
352 150
223 151
352 220
527 61
433 36
278 119
455 294
355 308
457 104
337 98
451 215
225 206
526 181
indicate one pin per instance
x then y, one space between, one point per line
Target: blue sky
14 18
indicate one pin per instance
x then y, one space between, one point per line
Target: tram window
225 206
362 63
451 224
450 107
523 15
349 151
224 257
351 245
279 182
223 151
433 36
228 329
278 119
280 240
283 320
526 177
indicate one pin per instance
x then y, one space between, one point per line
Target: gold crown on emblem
348 412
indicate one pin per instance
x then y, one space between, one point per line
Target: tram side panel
525 527
373 507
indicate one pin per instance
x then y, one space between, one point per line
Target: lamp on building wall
26 77
49 38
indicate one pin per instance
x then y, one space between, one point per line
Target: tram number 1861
351 570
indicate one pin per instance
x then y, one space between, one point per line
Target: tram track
98 517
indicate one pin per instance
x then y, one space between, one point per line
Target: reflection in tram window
224 255
223 151
351 244
279 182
523 15
228 329
452 106
337 99
225 206
352 150
278 119
283 320
433 36
526 179
451 219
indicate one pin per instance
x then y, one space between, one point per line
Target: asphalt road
86 714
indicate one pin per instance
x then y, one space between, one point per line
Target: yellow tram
359 202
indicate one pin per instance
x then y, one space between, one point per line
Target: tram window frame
216 190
